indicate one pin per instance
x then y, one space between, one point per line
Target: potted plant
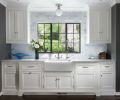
37 46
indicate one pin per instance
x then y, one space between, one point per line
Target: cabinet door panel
9 81
20 26
94 26
31 80
10 21
50 81
107 81
65 82
85 81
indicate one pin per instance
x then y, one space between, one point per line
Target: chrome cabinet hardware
30 66
84 67
10 66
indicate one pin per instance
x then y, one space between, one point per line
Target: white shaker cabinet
30 76
9 77
61 81
17 26
107 79
99 25
31 80
86 77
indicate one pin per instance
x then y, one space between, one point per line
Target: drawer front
106 67
31 66
84 68
10 67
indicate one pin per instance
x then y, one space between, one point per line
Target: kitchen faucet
58 56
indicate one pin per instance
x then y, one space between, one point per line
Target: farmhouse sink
58 65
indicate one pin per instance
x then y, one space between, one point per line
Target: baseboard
107 92
10 93
58 93
117 93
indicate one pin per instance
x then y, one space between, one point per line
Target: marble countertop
72 60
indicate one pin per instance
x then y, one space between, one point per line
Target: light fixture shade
59 12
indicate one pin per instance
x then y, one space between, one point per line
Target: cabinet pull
84 67
30 73
107 66
10 66
30 66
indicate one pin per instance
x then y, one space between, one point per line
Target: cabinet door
9 81
85 81
107 80
30 80
21 25
104 26
94 26
65 81
10 26
50 81
99 26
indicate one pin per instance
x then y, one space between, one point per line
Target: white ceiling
66 4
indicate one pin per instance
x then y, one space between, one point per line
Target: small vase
36 54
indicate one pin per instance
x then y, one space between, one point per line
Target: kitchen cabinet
30 80
99 25
86 77
107 79
9 77
30 76
61 81
17 25
19 77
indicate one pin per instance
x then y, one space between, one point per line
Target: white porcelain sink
58 65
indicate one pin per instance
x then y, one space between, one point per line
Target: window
59 37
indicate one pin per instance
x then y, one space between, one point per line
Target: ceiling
66 4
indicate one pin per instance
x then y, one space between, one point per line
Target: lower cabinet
9 77
58 80
27 76
30 80
107 79
86 77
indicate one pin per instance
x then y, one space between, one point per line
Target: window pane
69 28
61 42
47 28
40 28
61 28
55 46
55 28
76 28
76 47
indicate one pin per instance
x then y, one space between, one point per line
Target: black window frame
66 35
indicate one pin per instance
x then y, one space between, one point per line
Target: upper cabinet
99 25
17 27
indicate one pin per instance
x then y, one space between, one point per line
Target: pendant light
59 11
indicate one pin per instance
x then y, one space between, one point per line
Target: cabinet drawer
106 67
10 67
31 66
83 68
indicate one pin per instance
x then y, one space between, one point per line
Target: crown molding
3 2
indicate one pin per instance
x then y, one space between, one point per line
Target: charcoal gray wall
114 48
5 49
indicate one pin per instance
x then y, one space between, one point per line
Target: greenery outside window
59 37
